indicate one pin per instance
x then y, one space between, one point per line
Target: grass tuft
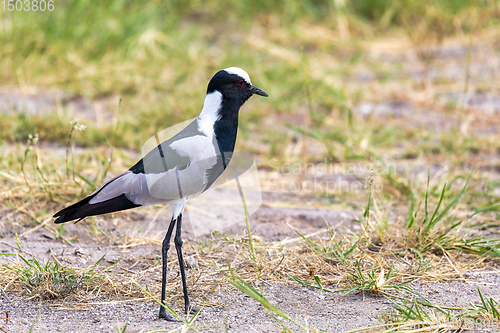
51 279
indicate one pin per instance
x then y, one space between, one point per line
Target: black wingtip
72 212
63 218
59 219
83 208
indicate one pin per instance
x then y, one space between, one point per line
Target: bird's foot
191 310
164 315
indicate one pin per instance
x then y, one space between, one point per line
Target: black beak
257 91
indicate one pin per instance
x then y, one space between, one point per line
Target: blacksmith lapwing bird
179 168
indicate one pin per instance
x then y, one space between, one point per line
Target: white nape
210 113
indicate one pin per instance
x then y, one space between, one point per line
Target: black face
233 87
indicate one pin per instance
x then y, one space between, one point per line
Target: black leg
178 248
164 250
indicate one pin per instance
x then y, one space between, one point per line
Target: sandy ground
227 309
224 308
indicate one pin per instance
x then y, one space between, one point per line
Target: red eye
241 82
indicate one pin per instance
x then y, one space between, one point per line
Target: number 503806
28 5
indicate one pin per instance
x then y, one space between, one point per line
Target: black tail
83 208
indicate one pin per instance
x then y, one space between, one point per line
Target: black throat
226 128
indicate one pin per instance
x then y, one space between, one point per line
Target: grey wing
181 167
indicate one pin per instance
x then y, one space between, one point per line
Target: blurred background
324 63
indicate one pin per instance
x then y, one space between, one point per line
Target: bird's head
234 85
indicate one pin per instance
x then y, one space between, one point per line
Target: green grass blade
308 241
250 291
318 282
453 202
432 222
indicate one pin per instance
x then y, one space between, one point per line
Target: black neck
226 128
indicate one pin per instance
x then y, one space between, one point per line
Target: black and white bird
178 169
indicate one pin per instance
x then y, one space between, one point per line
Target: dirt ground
225 308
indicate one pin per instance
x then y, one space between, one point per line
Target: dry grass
223 258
